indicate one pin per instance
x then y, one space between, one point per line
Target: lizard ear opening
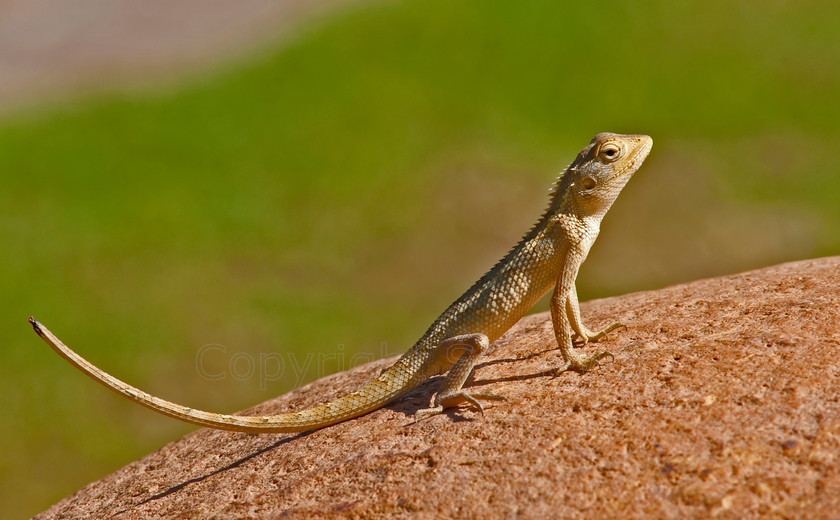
588 183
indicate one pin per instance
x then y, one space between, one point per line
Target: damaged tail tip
35 325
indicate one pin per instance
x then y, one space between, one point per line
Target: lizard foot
606 330
585 364
419 415
588 335
449 401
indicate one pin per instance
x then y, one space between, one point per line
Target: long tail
398 380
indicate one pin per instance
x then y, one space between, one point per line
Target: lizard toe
419 415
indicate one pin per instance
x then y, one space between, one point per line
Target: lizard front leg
565 316
573 316
466 349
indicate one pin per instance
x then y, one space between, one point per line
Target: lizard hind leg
466 349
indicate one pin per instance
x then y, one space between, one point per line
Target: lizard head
601 170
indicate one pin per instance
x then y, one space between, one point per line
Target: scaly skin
549 256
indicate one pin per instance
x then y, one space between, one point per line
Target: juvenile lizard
547 257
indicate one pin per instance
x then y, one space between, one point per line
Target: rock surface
722 401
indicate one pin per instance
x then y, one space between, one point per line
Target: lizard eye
588 183
609 152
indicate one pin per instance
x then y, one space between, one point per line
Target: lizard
548 257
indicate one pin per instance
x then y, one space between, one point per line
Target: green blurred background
336 190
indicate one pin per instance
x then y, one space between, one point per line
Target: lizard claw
452 400
587 364
419 415
489 396
595 336
609 328
583 364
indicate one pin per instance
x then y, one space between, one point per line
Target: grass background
335 192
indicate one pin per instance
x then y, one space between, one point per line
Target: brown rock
722 401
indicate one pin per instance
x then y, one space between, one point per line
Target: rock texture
722 401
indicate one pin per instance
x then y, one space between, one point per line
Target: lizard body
548 257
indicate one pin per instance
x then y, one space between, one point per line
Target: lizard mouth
638 157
